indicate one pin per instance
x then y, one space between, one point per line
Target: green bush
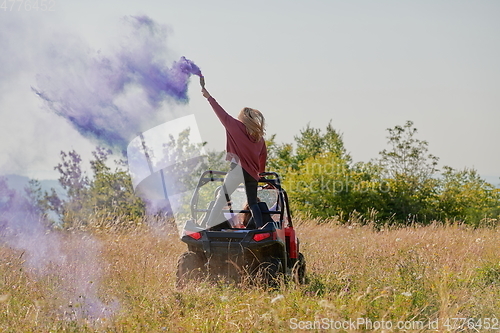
106 193
401 186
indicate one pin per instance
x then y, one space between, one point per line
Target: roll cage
275 198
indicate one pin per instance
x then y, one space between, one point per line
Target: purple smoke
113 98
108 97
47 252
188 66
21 227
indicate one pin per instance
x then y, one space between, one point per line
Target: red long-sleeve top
251 154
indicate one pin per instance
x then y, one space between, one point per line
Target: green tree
402 186
321 187
280 157
312 142
187 161
409 170
108 193
317 174
408 155
465 196
370 196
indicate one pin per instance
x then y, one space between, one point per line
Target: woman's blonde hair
254 122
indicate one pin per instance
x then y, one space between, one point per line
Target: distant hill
493 180
18 183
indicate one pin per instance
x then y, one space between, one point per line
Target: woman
246 149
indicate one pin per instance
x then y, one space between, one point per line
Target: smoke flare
113 98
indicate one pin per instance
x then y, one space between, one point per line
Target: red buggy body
234 251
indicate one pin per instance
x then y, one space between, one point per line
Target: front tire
299 270
190 266
270 271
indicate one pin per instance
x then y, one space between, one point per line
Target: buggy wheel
190 266
299 270
270 271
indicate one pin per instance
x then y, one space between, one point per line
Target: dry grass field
433 278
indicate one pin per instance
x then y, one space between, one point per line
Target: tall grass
413 274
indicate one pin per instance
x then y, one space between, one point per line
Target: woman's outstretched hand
205 93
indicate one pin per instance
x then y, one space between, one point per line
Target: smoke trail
116 98
113 98
21 228
48 253
108 98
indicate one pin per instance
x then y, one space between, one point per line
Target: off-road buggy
244 253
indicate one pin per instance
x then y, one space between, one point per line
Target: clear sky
364 65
